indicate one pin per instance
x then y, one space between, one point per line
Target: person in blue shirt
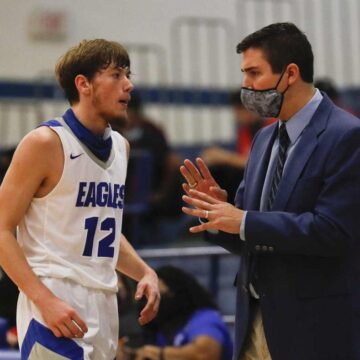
188 325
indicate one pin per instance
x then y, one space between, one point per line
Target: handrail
184 252
213 252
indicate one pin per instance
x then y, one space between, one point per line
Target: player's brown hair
86 59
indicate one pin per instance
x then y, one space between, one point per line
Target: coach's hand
61 318
220 215
199 177
148 286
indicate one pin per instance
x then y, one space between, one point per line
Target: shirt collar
297 123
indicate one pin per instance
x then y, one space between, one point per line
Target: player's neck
90 120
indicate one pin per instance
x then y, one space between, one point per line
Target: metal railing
213 252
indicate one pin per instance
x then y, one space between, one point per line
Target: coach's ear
293 73
83 85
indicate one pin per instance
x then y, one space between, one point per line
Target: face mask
266 103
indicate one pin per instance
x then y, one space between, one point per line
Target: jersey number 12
105 248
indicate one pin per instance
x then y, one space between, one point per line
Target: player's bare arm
35 170
132 265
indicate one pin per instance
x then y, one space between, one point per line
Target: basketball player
65 191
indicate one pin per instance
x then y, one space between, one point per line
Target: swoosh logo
75 156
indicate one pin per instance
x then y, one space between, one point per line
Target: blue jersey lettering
102 194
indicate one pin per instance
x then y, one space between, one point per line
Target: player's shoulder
41 140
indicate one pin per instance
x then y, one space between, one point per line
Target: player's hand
199 178
220 215
61 318
148 352
148 286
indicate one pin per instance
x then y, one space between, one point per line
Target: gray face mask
266 103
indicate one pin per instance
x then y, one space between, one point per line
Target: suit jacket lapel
257 172
302 152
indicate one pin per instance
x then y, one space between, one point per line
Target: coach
296 220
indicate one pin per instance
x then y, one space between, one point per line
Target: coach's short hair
282 44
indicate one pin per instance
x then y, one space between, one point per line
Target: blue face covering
99 146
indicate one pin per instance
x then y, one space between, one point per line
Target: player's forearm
14 263
130 263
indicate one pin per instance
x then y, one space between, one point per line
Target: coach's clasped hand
199 177
220 215
208 200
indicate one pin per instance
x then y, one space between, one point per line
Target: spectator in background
165 200
5 159
8 300
188 325
227 166
328 86
8 290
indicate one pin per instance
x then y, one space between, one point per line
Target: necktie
284 142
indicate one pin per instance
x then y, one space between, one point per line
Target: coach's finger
195 212
197 203
193 170
202 196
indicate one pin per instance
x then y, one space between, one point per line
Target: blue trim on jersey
99 146
50 123
38 333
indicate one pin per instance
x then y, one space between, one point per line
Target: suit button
264 248
271 248
257 247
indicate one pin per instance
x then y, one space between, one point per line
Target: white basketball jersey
74 231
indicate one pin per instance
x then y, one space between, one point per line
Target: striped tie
284 142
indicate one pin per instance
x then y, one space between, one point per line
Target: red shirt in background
245 136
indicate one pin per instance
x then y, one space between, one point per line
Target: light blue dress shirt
295 127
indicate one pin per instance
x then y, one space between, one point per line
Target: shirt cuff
242 227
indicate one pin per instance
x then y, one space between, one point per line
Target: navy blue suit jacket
307 248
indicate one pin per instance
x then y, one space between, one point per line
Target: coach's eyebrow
249 68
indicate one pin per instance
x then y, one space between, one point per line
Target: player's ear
83 85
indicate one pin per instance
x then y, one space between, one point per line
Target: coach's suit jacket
307 249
